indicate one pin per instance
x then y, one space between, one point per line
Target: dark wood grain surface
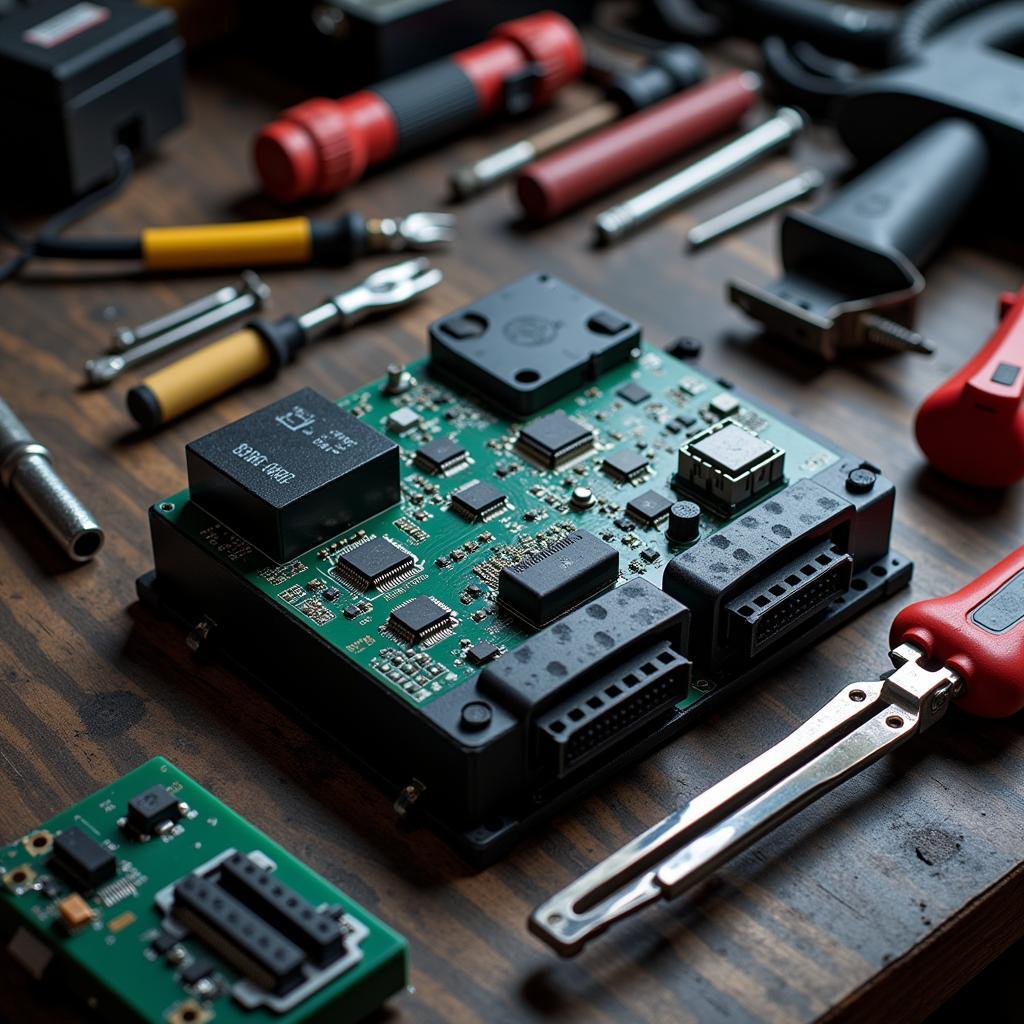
873 905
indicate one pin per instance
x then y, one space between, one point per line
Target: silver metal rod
125 337
753 209
25 469
489 170
773 134
104 369
856 728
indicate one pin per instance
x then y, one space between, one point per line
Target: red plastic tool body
979 633
578 172
972 427
321 146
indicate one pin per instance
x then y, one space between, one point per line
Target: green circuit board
457 562
105 939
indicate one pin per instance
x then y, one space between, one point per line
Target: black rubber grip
430 104
338 241
283 337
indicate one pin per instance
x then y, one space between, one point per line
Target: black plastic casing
530 344
76 81
293 474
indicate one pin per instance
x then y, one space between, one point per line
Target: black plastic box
293 474
76 80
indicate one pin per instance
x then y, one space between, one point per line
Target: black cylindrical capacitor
684 522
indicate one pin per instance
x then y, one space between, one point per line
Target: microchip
79 857
375 563
633 393
724 405
401 421
728 465
197 970
164 942
421 620
552 581
153 811
555 439
483 652
648 508
477 501
624 464
440 456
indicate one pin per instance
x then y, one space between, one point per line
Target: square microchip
729 465
293 474
421 620
555 439
624 464
152 810
440 456
477 501
482 652
375 563
79 857
633 393
648 508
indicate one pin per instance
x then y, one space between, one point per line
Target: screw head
476 715
860 480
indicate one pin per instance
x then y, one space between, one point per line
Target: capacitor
684 522
582 497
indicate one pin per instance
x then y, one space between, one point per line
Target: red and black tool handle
972 427
569 177
323 145
979 633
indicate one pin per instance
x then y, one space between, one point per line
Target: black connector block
238 934
314 931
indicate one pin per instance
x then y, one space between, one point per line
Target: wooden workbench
874 905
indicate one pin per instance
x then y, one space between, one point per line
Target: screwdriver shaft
626 217
752 209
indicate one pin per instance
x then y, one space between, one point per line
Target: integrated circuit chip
440 456
649 508
633 393
729 465
377 562
551 582
420 621
555 439
477 501
153 811
625 464
482 652
79 857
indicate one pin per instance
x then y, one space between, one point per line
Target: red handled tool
570 176
967 647
972 427
323 145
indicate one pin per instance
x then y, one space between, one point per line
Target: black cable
47 240
922 19
799 82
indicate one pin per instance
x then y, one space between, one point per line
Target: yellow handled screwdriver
263 347
290 240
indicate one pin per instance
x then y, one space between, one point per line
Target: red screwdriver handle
979 633
972 426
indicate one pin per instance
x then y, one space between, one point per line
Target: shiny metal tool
966 647
775 133
25 468
168 332
752 209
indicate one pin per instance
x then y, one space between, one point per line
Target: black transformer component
293 474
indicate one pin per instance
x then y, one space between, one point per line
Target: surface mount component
514 638
212 922
554 440
377 562
728 465
293 474
549 582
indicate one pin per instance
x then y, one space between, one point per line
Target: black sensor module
293 474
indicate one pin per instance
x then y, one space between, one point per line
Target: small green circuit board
113 933
457 562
